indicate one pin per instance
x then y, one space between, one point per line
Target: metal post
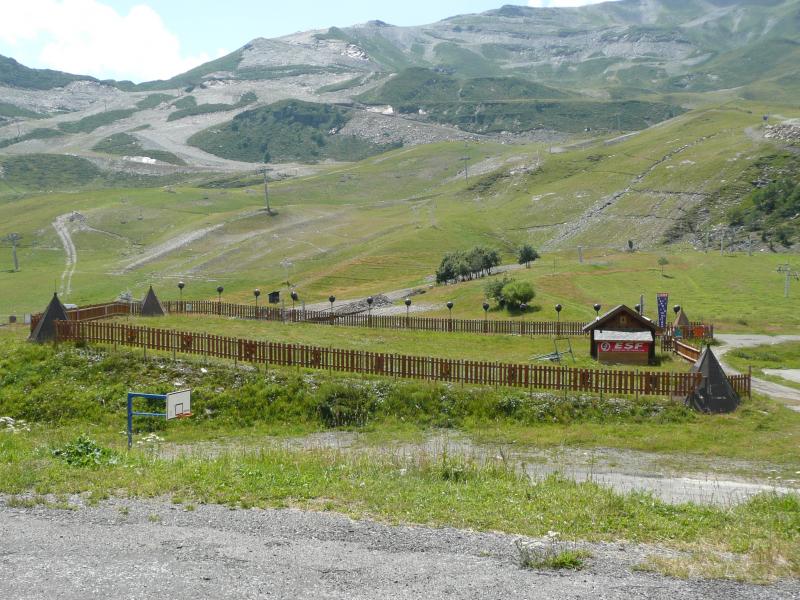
130 420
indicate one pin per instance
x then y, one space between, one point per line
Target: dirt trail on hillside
61 225
789 396
589 216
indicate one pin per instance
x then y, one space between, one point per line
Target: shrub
342 405
518 292
84 452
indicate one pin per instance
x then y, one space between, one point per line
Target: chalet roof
45 329
606 335
639 322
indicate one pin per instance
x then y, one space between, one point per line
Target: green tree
494 289
518 292
662 261
527 255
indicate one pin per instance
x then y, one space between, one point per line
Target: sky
142 40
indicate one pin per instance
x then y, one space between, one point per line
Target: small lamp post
407 302
370 300
294 298
181 285
485 317
558 308
220 289
331 299
676 309
597 310
256 293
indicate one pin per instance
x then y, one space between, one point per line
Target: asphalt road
153 549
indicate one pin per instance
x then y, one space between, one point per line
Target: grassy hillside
16 75
418 86
495 104
190 108
40 133
384 223
92 122
14 111
286 131
124 144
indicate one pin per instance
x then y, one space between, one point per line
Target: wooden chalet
622 336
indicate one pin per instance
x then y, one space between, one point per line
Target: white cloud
91 38
562 3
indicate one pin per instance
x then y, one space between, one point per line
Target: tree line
466 265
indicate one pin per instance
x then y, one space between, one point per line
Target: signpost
178 407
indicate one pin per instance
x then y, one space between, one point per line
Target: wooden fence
541 377
269 313
685 351
93 312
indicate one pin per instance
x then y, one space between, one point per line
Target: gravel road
154 549
789 396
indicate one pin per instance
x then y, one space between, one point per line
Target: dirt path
789 396
61 225
156 549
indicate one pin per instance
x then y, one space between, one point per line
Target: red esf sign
623 346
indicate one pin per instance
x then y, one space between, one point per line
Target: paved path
154 549
789 396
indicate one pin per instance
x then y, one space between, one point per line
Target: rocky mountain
515 72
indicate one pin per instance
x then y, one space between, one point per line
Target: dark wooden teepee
714 394
45 330
151 307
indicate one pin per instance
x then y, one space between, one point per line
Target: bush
84 452
517 293
342 405
494 289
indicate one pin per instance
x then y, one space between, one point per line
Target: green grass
494 104
203 109
385 222
37 172
194 77
72 385
14 111
771 356
153 100
16 75
92 122
501 348
551 557
40 133
289 130
124 144
433 491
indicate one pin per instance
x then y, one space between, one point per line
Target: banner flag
662 300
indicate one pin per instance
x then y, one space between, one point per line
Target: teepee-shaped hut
681 320
45 329
714 394
151 307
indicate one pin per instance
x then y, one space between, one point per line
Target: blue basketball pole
131 413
